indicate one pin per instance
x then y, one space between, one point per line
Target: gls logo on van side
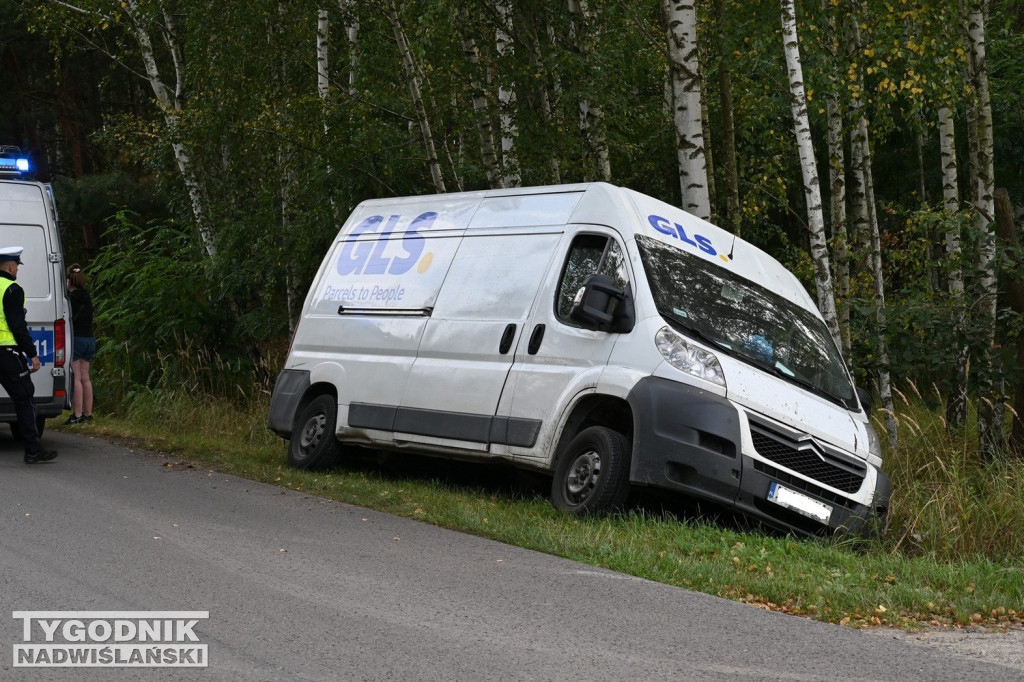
675 230
361 257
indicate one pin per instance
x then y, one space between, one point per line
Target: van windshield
745 320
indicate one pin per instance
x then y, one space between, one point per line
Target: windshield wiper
690 329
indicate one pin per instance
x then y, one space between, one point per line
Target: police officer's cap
11 253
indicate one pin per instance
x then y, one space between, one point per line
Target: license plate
798 502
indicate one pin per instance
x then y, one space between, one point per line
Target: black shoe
40 456
72 420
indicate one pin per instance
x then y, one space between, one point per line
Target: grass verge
893 581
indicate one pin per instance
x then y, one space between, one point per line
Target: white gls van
588 331
28 218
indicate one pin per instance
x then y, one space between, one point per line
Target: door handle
535 338
506 339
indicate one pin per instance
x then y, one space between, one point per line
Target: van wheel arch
314 443
595 410
595 444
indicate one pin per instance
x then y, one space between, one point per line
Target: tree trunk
352 33
415 90
681 19
171 102
990 403
837 178
809 169
506 98
481 107
881 315
956 402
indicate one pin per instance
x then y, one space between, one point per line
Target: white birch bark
481 107
170 103
860 151
956 404
322 76
591 118
881 315
990 404
837 178
809 169
506 98
352 34
681 21
415 90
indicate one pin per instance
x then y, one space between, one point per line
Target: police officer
15 346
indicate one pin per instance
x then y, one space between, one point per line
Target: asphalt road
300 588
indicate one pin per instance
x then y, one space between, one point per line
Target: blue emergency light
12 161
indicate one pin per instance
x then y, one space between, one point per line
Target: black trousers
16 379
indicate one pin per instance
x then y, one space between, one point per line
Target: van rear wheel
592 475
314 444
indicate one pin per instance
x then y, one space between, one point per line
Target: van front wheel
592 475
314 444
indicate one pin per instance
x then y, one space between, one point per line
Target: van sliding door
474 331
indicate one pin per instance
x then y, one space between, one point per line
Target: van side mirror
602 306
865 399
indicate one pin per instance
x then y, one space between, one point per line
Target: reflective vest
6 336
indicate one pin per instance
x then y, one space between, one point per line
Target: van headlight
874 443
690 359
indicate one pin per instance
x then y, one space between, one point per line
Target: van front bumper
689 440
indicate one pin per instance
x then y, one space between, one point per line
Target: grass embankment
953 553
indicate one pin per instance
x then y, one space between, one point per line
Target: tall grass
947 503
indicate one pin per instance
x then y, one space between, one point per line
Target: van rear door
24 221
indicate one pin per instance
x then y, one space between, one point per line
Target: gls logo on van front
377 257
675 230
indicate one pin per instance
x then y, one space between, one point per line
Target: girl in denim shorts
84 345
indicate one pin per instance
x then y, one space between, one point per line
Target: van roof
598 203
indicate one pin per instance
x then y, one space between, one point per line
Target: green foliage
155 305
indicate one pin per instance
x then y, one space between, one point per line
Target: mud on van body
588 331
28 218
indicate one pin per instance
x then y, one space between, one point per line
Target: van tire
314 444
592 475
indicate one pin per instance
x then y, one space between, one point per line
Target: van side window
589 254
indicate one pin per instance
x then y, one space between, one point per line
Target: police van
28 218
590 332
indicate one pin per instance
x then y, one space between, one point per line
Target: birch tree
956 403
168 88
583 34
990 403
506 97
835 48
809 171
478 94
864 208
681 28
347 10
415 83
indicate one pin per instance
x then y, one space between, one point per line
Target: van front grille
806 457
